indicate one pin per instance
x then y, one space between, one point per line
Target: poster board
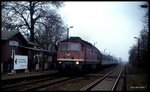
20 62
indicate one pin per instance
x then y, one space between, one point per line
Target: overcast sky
113 25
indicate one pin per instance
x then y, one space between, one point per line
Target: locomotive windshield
63 47
74 47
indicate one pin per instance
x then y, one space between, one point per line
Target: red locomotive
75 53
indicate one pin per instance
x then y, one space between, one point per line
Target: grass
136 79
133 70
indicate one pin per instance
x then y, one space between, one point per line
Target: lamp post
68 31
95 43
138 48
104 51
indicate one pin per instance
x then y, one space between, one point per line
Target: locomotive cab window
63 47
74 47
82 48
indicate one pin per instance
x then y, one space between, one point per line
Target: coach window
63 47
74 47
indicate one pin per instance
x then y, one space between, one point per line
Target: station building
14 43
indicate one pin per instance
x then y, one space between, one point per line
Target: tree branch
27 24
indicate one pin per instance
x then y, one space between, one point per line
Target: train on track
75 53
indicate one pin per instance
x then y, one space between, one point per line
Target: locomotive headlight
59 62
77 62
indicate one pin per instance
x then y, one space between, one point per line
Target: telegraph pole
138 48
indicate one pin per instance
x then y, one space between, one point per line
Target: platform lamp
68 32
95 43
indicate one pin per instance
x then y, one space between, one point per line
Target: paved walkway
18 75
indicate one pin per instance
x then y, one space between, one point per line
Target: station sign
20 62
13 43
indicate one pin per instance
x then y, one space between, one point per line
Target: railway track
76 83
106 83
73 82
36 84
16 85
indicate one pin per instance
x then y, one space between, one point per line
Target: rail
90 86
115 84
37 84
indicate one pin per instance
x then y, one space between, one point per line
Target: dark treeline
139 54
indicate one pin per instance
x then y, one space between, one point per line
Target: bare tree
29 16
25 14
53 29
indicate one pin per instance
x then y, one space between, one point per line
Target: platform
29 74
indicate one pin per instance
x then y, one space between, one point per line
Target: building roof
39 50
6 35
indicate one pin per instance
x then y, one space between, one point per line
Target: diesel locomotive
75 53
